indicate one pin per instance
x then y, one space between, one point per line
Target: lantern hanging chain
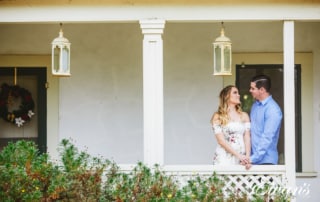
60 32
15 76
222 29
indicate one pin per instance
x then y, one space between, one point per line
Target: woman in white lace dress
231 127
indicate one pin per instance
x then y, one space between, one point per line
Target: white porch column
289 104
153 90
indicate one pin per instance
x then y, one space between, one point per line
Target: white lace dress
233 135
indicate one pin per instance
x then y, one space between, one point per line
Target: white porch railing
236 178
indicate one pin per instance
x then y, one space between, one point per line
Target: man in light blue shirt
266 117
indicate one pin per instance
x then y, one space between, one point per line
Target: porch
154 131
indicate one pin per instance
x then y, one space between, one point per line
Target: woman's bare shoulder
245 117
215 118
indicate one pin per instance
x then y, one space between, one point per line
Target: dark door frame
41 75
259 69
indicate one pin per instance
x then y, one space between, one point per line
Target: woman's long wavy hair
223 106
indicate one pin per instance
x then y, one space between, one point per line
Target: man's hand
248 166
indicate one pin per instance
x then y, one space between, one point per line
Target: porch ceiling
181 13
32 3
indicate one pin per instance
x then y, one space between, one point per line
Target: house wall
100 105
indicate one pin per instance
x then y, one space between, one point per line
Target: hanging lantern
222 54
61 55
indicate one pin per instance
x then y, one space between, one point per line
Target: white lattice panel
248 184
236 178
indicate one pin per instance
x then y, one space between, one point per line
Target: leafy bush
83 174
28 175
142 184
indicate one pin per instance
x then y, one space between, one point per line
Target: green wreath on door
8 95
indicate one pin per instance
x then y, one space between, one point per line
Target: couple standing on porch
242 139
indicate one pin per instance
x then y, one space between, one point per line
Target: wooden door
275 72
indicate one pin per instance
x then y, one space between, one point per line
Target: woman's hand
244 160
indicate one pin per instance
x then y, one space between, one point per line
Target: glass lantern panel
217 57
65 60
227 59
56 58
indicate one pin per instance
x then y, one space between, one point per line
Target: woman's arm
247 137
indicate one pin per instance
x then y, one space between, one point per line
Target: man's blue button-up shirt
266 117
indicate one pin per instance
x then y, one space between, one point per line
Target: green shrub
82 172
29 176
141 184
